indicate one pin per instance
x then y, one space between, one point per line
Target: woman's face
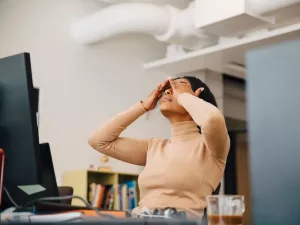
168 102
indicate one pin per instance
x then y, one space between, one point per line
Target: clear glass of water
225 209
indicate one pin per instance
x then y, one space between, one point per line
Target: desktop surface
125 222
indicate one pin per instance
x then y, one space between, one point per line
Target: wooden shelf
219 57
81 179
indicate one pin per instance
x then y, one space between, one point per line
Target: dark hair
206 94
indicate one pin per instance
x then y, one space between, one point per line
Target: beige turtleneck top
178 172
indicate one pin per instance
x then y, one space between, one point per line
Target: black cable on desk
10 198
45 199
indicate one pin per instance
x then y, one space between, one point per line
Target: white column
214 81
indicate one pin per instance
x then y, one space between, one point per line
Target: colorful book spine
118 196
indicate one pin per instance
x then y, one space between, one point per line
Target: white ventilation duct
263 6
122 18
165 23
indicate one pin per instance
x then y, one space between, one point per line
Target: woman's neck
179 119
184 130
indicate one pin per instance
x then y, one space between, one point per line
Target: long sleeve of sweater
211 121
107 141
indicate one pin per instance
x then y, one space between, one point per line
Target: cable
30 203
10 198
88 205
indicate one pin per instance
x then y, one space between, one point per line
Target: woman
181 171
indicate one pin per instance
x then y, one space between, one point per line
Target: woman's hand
150 102
181 87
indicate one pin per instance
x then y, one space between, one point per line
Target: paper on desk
60 217
9 215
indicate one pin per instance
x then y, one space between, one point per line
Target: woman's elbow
95 141
217 118
98 144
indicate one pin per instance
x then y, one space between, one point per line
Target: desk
73 215
23 217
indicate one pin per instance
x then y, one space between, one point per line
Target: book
121 196
132 194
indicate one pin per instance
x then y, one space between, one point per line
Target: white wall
81 86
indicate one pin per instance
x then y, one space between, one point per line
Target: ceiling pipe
163 22
122 18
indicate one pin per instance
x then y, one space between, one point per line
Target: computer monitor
36 95
23 176
48 179
274 133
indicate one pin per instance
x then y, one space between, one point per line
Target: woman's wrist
180 96
144 106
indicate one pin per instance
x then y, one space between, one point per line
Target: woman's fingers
172 83
163 85
198 91
158 91
160 95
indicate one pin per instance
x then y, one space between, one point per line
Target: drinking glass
225 209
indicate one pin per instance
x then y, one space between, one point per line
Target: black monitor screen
18 125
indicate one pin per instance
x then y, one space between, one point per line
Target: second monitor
23 174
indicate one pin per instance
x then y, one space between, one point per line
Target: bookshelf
80 180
